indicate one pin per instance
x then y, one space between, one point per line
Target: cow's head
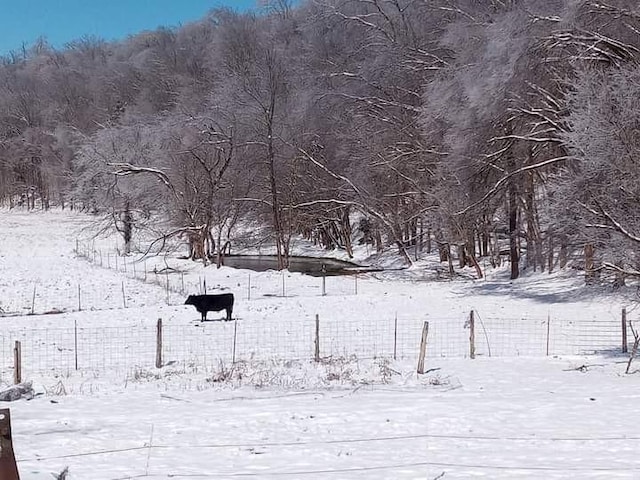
190 300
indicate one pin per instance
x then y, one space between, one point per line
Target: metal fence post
625 346
75 341
472 335
317 340
395 337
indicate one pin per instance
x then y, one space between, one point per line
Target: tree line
502 128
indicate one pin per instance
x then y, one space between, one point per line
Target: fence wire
203 346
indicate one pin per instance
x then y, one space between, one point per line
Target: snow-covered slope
276 413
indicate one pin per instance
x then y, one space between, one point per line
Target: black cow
206 303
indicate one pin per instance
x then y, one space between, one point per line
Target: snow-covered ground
275 413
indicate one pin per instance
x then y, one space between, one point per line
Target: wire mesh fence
155 270
133 281
63 351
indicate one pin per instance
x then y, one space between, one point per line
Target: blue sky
61 21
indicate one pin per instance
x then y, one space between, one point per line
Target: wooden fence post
33 299
317 341
423 347
548 331
17 363
79 299
625 346
159 344
124 297
472 335
8 466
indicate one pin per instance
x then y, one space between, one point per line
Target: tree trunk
443 251
196 246
275 201
474 262
462 261
514 254
449 257
620 277
589 272
127 227
563 254
550 253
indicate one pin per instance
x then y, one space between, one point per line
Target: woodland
503 129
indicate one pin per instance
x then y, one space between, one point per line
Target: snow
275 413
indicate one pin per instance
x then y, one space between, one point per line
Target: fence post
33 300
625 347
116 255
395 337
182 282
159 344
324 275
100 258
8 466
472 335
548 331
75 341
423 347
79 299
124 297
17 363
356 282
317 341
235 337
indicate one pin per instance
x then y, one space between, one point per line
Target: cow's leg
229 309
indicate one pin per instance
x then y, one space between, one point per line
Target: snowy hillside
246 398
